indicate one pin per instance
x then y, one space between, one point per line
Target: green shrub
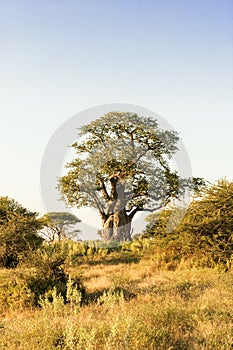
14 292
205 235
18 232
50 272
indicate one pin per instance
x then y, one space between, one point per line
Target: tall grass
134 304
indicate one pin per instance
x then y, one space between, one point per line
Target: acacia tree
122 167
59 225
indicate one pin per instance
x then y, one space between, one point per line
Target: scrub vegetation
161 291
167 288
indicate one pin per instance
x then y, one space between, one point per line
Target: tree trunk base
117 227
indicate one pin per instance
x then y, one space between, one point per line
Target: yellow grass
129 306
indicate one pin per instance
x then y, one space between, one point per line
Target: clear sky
58 58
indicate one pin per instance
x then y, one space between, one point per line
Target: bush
209 223
18 232
50 272
14 292
205 234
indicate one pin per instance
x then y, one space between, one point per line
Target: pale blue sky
61 57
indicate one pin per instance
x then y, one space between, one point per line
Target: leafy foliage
122 167
207 226
50 273
18 232
14 291
209 221
59 225
157 223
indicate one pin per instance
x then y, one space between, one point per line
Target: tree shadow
90 298
114 260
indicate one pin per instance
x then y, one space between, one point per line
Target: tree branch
96 200
137 209
103 189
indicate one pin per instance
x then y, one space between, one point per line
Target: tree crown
123 162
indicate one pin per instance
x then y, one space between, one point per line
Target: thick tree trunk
117 227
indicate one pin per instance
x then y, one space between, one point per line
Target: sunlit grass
126 306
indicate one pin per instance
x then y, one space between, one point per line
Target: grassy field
131 302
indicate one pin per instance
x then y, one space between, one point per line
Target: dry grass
145 308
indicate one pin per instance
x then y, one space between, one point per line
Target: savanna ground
137 299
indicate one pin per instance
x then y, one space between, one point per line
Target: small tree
59 225
209 221
122 167
18 232
207 227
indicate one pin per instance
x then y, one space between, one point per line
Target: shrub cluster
206 231
18 232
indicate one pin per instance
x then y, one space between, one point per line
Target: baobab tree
122 166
